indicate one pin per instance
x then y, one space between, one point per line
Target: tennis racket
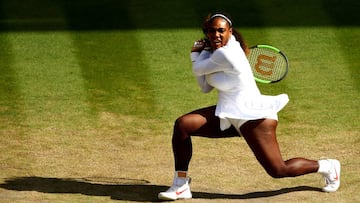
269 64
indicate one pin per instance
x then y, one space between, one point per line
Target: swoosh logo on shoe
337 176
180 192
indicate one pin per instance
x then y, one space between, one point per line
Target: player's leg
201 122
261 138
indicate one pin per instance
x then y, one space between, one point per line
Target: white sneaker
179 190
332 177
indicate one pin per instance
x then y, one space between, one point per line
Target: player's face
218 32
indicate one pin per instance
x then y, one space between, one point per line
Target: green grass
89 91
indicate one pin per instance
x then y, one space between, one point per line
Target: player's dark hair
238 36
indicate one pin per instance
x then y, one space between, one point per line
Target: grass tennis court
89 91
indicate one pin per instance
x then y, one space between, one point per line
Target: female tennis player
220 63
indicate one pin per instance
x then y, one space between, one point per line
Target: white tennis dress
228 70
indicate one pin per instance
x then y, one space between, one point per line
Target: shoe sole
162 197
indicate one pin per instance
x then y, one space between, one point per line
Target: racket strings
267 64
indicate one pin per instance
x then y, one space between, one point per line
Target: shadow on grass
131 190
125 14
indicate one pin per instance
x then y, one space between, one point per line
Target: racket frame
269 47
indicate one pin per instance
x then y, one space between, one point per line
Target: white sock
324 166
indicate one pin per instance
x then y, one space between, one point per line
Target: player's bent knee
183 126
181 123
